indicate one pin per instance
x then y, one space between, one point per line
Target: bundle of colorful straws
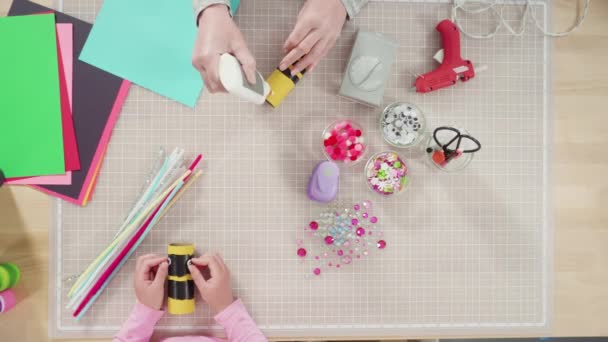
162 191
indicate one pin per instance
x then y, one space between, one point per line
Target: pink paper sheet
99 152
65 39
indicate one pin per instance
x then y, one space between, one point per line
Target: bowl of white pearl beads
402 124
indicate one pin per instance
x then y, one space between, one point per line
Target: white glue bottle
235 82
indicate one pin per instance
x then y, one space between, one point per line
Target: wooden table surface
579 165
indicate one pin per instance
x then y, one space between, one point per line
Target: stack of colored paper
169 182
58 112
37 143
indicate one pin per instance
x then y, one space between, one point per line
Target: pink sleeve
238 324
139 327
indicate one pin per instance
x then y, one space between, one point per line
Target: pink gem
337 265
314 225
301 252
300 242
357 207
329 239
340 252
347 259
316 257
358 256
351 251
370 233
325 255
381 244
367 204
316 271
365 252
360 231
373 219
364 215
354 222
346 243
329 264
356 240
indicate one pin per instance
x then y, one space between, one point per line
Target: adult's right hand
218 34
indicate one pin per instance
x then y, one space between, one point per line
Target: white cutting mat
467 253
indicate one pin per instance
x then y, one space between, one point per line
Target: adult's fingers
242 53
311 58
300 31
208 66
161 274
300 50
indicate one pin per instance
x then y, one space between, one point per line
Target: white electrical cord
483 6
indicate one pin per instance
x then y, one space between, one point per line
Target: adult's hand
318 27
218 34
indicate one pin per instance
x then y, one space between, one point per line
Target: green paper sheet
31 140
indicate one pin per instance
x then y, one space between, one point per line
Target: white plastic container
234 81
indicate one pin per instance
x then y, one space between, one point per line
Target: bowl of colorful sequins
343 141
386 173
402 124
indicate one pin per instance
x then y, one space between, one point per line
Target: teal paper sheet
148 42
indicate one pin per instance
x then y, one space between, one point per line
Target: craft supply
386 173
340 236
7 300
344 141
281 84
402 124
2 178
324 182
120 44
9 275
485 6
368 69
451 149
180 286
235 82
95 108
31 142
157 199
72 159
453 66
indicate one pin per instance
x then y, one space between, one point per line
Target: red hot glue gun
452 68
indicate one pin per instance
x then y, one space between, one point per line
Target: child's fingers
211 261
141 259
161 274
197 276
147 265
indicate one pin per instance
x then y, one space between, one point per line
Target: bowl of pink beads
343 141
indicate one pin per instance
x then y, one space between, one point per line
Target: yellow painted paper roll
180 285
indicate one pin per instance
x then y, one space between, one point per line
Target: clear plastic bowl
399 118
381 178
342 127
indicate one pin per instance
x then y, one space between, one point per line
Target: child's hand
150 274
217 34
217 290
318 27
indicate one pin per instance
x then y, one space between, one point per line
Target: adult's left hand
318 27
